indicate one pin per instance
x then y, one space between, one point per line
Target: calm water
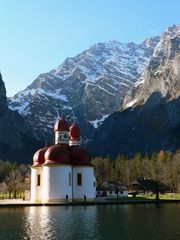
91 222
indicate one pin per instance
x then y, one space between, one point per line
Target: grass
167 196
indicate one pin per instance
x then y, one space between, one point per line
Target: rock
87 87
16 141
162 74
150 118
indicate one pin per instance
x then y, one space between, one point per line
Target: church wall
56 183
36 185
87 187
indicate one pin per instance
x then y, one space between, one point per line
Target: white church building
63 172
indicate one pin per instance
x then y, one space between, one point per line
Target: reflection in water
101 222
39 223
59 223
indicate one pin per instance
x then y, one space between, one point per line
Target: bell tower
61 130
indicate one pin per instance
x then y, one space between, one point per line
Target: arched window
79 179
38 180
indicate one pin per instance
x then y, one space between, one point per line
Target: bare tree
13 182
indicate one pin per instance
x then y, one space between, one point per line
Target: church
63 171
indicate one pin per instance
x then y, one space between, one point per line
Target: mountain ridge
163 66
150 117
88 87
16 142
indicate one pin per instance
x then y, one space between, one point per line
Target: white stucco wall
113 194
124 194
87 188
36 191
56 183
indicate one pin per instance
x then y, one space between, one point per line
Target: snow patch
67 107
105 90
96 123
42 92
21 109
57 96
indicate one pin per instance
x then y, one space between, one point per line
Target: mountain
87 87
16 142
150 118
162 73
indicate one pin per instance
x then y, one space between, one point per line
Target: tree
122 169
153 185
100 170
154 172
172 175
136 167
13 182
5 168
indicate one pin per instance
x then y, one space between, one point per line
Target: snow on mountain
87 87
150 119
96 123
162 73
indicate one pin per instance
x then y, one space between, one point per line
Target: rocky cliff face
150 120
151 127
16 142
3 102
162 73
87 87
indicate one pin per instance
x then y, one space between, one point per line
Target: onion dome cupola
61 130
75 135
38 158
57 154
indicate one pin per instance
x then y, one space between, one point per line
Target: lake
102 222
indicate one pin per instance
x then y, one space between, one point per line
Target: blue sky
37 35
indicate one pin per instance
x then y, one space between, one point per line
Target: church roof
80 156
63 153
38 157
57 154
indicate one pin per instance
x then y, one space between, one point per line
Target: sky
37 35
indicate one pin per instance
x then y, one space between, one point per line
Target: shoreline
21 203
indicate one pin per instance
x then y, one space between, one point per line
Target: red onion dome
38 158
57 154
74 131
80 156
61 125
